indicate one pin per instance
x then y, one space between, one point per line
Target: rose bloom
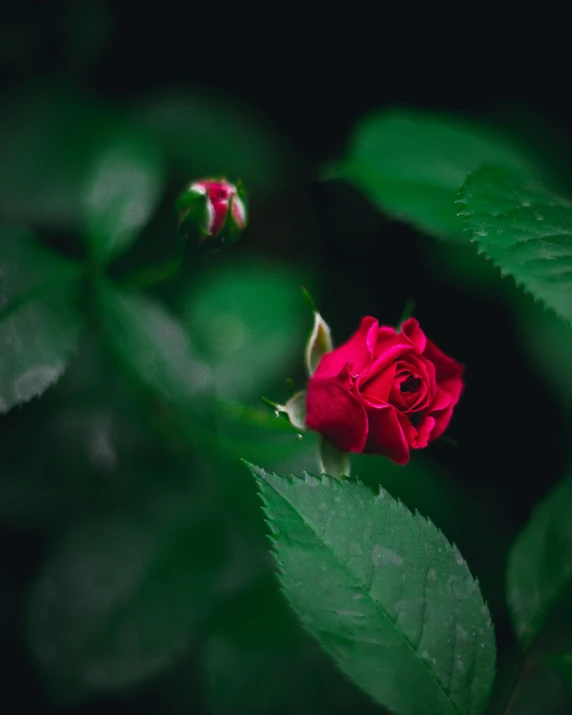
384 392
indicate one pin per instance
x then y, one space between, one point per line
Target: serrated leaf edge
474 238
260 473
34 296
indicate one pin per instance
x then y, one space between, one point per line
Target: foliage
136 571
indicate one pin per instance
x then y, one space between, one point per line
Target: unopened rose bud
214 208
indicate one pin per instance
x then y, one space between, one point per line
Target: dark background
310 79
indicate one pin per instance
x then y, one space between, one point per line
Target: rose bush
383 391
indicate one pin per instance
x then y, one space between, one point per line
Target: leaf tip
255 470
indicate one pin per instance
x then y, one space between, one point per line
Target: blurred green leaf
28 501
384 592
211 136
152 345
259 661
412 163
49 137
539 571
124 186
525 230
541 692
548 343
39 324
563 665
248 322
120 595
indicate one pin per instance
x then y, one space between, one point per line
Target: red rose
384 392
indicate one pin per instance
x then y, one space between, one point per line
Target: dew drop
461 632
460 586
381 556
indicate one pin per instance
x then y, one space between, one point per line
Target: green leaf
525 230
539 572
248 322
48 139
120 595
123 189
541 691
412 163
563 665
259 660
547 340
39 324
152 345
384 592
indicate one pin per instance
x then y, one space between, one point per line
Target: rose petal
385 333
413 332
219 214
386 435
358 350
391 352
448 372
424 432
442 400
238 210
418 436
380 386
442 419
335 413
414 366
409 430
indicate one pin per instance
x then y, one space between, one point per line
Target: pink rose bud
214 208
383 391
